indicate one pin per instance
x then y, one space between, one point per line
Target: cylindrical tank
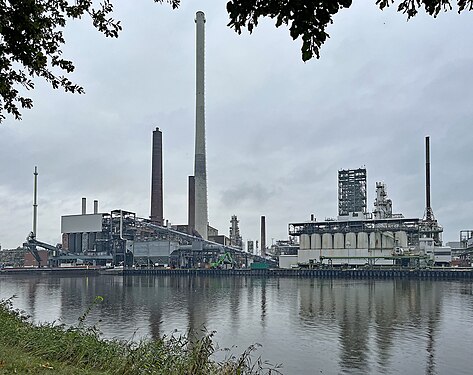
85 242
304 242
327 241
315 241
338 241
362 240
401 238
65 241
350 240
387 241
375 240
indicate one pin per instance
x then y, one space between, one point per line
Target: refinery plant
378 238
357 237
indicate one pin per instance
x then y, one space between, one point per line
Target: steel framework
351 191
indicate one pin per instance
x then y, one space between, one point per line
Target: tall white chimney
200 165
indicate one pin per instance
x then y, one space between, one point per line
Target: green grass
26 348
15 361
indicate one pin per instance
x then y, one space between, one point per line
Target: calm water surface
310 326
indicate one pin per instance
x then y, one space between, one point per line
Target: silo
338 241
350 240
65 241
375 240
315 241
304 242
85 242
401 238
387 241
362 240
327 241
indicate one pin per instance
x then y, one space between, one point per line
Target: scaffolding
352 191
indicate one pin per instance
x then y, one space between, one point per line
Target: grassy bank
26 348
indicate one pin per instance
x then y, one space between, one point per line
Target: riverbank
51 348
443 273
319 273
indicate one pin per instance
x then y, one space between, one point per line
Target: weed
82 346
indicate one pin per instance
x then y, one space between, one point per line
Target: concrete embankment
72 271
428 274
329 273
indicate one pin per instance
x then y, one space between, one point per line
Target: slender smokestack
157 178
263 236
35 201
200 167
428 207
191 206
84 206
96 206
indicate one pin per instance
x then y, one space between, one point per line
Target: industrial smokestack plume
157 178
263 236
96 206
200 167
84 206
428 207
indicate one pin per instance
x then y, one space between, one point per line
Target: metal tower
351 191
235 237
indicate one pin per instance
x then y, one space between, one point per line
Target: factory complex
121 239
379 238
356 238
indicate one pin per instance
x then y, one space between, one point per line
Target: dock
334 273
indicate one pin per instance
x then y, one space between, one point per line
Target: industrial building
379 237
120 238
351 191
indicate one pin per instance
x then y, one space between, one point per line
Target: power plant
120 237
355 238
380 237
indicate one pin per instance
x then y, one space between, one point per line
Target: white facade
287 261
81 223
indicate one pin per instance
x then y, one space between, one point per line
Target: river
310 326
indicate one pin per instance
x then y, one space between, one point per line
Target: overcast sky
278 129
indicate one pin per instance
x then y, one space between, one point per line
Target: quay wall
69 271
426 274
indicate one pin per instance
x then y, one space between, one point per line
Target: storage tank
65 241
350 240
327 241
387 241
375 240
362 240
315 241
305 241
338 241
401 238
85 242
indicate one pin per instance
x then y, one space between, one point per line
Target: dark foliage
309 19
31 34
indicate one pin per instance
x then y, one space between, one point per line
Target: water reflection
370 316
334 326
